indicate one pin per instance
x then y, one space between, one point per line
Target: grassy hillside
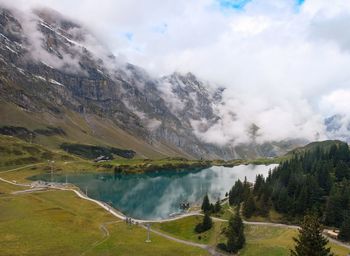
15 152
27 159
81 129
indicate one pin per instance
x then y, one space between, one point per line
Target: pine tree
246 189
344 233
249 206
206 204
236 193
235 234
341 171
334 208
205 225
258 185
310 241
217 206
207 222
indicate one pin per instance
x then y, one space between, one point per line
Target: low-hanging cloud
282 64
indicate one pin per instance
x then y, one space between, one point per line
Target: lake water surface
158 195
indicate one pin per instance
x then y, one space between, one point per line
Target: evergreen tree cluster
254 198
316 181
208 207
234 234
310 240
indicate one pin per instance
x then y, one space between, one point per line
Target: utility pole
148 233
51 165
86 191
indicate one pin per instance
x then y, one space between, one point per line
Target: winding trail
105 237
210 249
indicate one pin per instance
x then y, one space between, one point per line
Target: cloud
337 102
281 65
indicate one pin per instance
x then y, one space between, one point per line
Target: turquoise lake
158 195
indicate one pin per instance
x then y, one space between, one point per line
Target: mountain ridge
64 81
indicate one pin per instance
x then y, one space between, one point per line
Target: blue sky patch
160 28
233 4
240 4
129 36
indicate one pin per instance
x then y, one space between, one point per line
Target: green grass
273 216
275 241
261 240
15 152
184 229
60 223
130 241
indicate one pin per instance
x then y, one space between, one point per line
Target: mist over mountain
56 72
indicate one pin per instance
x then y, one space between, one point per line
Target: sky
285 63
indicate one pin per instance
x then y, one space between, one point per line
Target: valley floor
53 222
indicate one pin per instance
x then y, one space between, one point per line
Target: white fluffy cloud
337 102
282 64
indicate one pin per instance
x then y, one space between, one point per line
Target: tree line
317 181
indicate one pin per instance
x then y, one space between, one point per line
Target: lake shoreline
177 165
157 195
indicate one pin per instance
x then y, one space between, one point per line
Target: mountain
57 76
338 126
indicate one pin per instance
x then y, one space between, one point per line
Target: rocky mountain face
52 68
338 126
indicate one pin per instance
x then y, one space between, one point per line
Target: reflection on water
157 195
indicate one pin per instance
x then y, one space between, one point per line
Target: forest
316 181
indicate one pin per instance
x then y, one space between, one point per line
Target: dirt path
210 249
22 167
105 237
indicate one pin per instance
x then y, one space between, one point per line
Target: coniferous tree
341 171
206 204
334 208
310 241
207 222
258 185
324 178
246 189
343 153
344 233
217 206
302 201
235 234
205 225
236 193
249 206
